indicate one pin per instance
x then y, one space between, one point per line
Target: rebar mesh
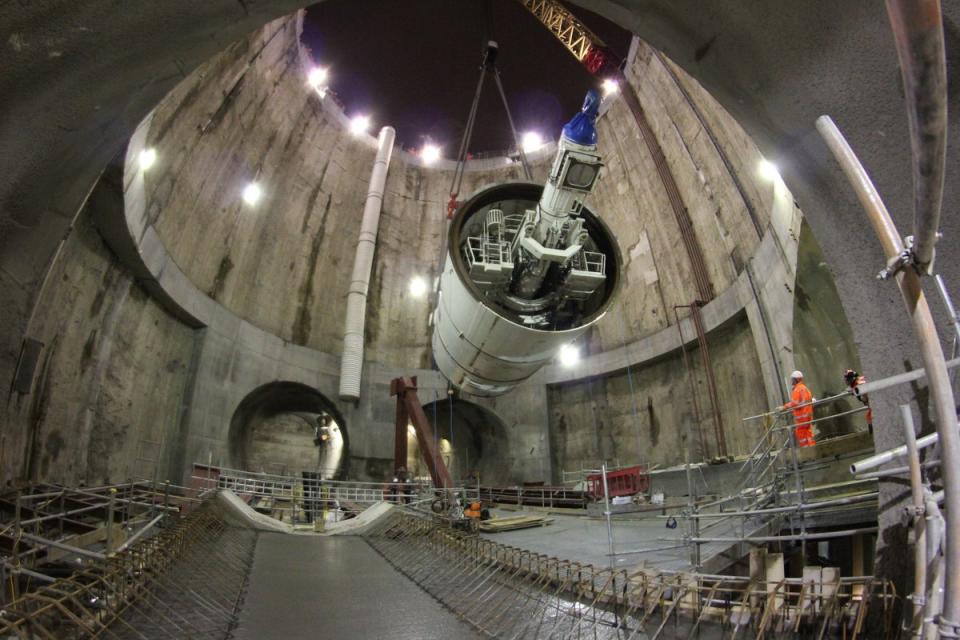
507 592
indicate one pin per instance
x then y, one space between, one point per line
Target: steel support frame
405 389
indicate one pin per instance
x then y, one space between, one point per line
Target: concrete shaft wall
644 415
77 81
649 407
112 378
261 289
284 264
634 203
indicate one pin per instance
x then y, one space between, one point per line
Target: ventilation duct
351 363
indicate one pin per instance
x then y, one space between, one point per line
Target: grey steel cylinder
482 343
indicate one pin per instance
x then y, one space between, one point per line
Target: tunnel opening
288 428
471 440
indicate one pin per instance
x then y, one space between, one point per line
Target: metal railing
534 496
587 467
297 499
44 523
302 500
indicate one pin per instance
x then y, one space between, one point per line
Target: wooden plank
514 522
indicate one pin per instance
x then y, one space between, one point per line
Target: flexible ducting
351 363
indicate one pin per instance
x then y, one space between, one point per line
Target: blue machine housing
581 129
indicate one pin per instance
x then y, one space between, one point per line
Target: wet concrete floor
336 587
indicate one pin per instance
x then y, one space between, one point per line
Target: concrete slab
584 539
338 587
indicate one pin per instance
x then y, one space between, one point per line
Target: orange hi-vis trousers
804 435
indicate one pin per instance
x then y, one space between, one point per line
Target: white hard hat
796 375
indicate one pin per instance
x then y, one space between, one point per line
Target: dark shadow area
471 440
543 82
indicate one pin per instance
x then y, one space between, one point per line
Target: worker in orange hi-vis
800 400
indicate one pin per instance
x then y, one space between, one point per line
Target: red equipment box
622 482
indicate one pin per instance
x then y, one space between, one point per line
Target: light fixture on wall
531 141
317 78
359 124
418 286
768 171
147 158
252 193
430 153
569 355
609 87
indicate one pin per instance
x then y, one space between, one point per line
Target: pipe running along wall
925 330
351 362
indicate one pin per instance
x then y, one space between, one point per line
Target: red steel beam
410 411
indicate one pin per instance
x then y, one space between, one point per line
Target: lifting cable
488 65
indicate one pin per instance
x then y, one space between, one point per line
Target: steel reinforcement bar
507 592
186 581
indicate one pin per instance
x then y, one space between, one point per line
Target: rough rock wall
111 379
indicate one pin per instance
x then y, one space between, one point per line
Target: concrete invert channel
336 587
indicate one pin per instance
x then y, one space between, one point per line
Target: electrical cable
450 405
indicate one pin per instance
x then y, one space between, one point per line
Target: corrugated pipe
351 362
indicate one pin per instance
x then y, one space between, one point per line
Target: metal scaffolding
185 581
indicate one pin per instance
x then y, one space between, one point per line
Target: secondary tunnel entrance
471 440
287 428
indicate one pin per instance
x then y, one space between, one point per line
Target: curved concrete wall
266 284
76 82
112 379
284 264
